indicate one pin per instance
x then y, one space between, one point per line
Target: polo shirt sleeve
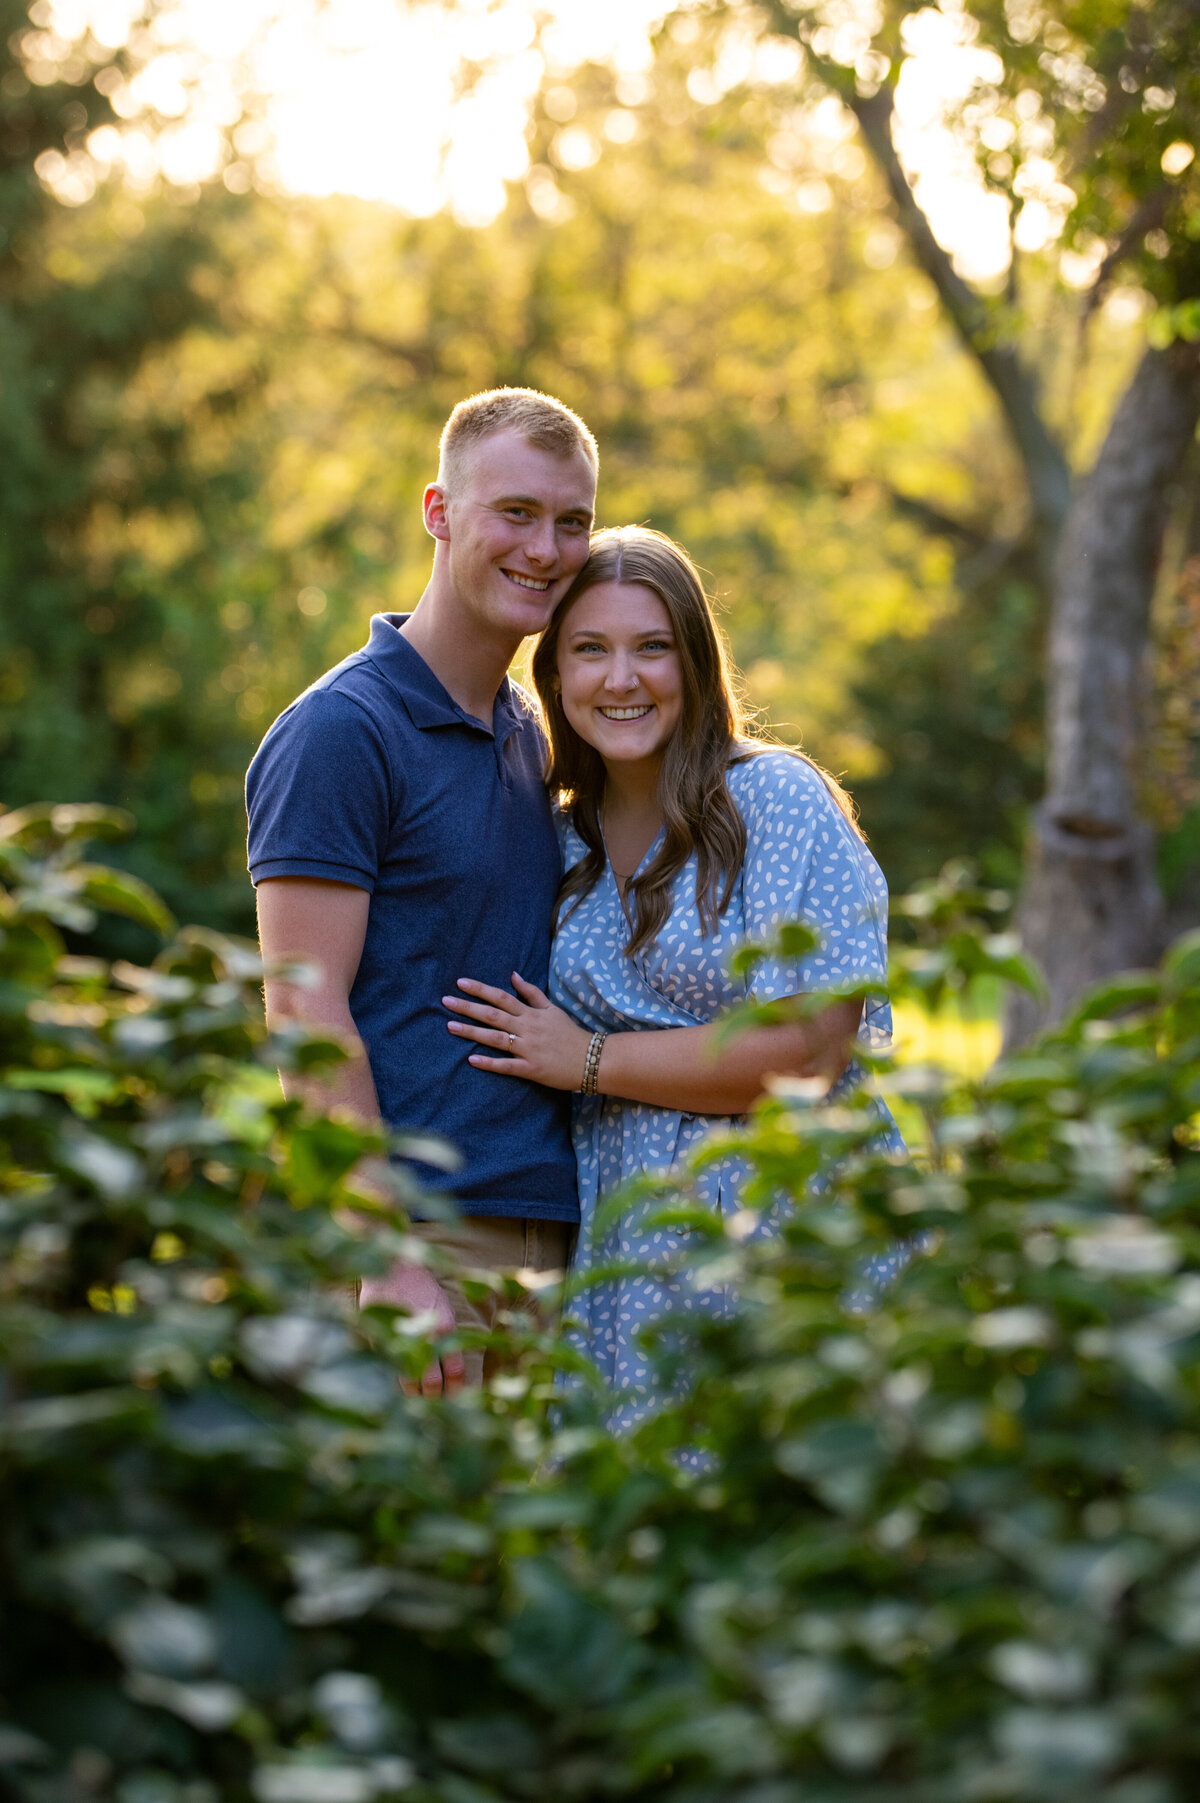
320 794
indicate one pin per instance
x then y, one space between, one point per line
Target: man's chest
470 816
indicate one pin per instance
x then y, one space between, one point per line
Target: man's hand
418 1291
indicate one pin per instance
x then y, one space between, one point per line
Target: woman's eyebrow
646 632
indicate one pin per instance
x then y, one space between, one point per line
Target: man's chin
531 612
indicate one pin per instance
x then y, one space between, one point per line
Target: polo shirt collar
428 704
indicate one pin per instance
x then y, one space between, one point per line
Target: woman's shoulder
772 774
570 844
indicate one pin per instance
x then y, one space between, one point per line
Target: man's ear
434 507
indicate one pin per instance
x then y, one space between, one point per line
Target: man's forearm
349 1085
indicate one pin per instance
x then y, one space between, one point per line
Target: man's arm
322 924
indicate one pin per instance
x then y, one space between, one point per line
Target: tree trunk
1090 904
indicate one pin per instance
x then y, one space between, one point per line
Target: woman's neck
631 789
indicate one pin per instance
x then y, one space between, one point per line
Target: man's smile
539 584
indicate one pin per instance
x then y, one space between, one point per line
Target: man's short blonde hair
539 418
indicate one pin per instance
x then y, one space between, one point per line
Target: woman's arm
668 1067
684 1068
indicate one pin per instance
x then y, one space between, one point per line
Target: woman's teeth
624 713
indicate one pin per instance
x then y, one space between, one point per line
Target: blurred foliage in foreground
945 1549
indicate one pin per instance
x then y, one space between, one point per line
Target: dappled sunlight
358 97
426 106
958 1038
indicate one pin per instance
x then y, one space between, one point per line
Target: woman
682 838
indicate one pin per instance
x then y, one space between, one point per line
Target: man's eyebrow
581 512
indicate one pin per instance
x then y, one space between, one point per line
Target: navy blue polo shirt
375 777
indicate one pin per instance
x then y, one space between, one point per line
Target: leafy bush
945 1549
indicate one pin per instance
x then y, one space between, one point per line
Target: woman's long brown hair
699 814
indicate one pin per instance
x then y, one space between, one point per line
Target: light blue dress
803 862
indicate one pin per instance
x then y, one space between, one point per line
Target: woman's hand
538 1041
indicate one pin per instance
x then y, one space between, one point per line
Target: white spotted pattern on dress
803 862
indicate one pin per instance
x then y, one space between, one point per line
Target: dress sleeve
804 862
319 794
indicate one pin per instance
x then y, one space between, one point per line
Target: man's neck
469 664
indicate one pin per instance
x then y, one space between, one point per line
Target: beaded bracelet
591 1064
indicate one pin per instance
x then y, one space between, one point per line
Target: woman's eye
655 645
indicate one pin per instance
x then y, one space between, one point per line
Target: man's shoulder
353 697
336 735
357 683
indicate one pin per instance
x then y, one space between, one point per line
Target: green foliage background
219 410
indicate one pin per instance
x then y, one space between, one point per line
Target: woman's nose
621 676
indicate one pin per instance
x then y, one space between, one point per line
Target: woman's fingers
488 1017
495 998
529 992
481 1035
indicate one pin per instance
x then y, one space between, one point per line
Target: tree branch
1011 382
1151 213
933 519
1046 467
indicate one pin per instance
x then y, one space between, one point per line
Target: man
400 837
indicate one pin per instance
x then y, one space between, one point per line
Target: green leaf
65 823
320 1153
796 939
117 892
564 1648
85 1090
1131 989
1181 965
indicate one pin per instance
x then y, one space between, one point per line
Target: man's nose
542 545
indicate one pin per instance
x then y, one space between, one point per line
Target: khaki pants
501 1244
